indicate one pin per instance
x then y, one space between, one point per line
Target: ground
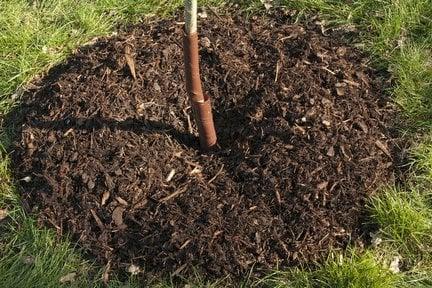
401 212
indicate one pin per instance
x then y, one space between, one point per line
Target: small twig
328 70
278 197
277 72
106 272
185 244
192 164
189 123
178 192
98 220
217 174
215 13
68 132
351 83
176 272
170 175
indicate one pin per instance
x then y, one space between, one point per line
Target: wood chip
105 197
195 171
129 59
323 185
117 217
383 147
109 182
340 91
331 152
363 126
326 123
170 175
278 197
122 201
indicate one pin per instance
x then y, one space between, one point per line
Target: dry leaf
117 216
3 214
68 278
129 60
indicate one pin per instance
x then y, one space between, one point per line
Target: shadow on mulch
305 134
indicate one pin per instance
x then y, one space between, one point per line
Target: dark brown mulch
303 126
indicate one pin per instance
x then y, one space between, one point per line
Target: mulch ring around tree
304 127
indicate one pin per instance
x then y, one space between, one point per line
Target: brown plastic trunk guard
207 133
201 104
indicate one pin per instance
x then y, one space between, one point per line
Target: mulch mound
303 126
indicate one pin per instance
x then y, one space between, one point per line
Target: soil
305 137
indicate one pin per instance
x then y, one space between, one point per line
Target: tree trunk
200 102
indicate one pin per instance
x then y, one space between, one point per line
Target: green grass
35 35
34 258
352 270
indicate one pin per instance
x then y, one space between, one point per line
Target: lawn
35 35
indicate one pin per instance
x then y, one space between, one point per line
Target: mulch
305 137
